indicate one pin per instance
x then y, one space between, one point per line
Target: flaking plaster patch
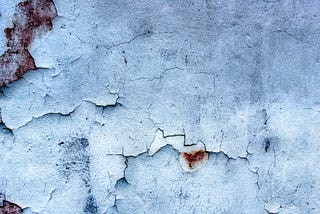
31 19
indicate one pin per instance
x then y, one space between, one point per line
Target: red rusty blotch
194 157
10 208
31 18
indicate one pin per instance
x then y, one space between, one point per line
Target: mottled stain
10 208
266 145
142 28
270 143
75 159
195 157
31 19
91 205
168 54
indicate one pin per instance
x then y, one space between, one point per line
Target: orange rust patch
10 208
194 157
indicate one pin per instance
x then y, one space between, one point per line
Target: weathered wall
151 106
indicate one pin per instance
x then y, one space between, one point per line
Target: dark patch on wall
75 161
31 18
91 205
10 208
168 54
265 117
75 158
194 157
270 143
266 145
141 28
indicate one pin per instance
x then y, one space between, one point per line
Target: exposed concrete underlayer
166 107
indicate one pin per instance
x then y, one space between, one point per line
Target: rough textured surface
7 207
31 18
165 107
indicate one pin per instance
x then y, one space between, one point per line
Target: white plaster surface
124 87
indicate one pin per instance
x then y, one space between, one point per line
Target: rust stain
194 157
31 18
10 208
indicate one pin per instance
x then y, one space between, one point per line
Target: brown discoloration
194 157
31 19
10 208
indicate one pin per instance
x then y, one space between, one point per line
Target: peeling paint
10 208
31 19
